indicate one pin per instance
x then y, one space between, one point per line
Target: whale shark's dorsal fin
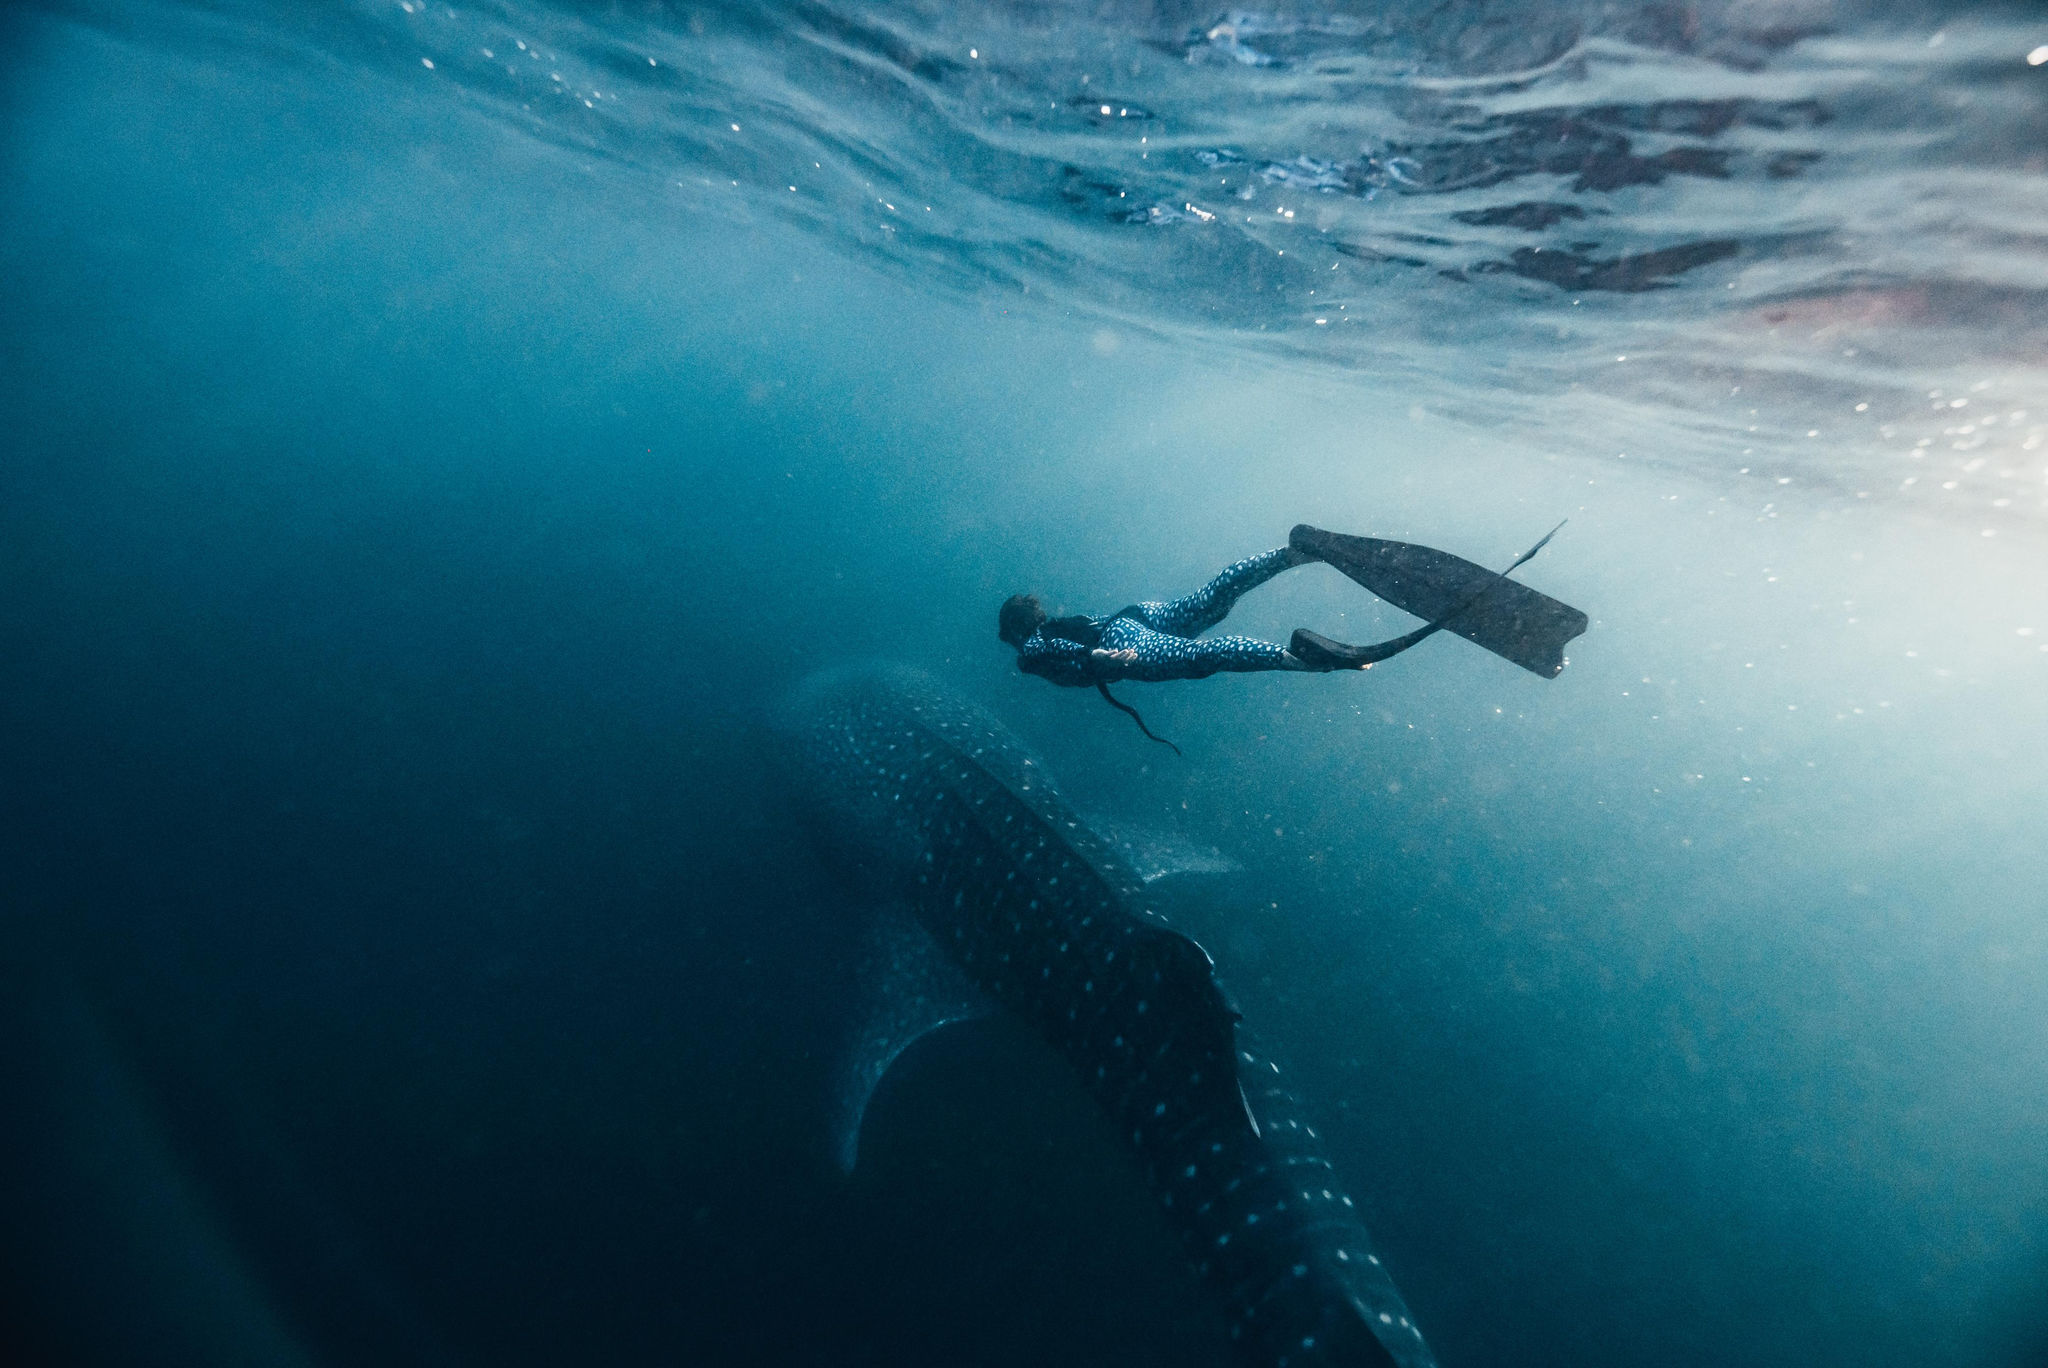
909 989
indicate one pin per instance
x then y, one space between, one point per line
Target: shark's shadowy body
932 805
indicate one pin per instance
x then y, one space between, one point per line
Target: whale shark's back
864 732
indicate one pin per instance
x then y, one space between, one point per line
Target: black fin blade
1510 619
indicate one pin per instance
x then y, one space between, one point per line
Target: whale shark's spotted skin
933 801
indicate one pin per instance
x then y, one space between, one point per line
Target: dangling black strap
1111 699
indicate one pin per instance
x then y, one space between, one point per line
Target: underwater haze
435 440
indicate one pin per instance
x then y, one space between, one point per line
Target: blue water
435 437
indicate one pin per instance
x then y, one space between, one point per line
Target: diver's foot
1319 652
1301 541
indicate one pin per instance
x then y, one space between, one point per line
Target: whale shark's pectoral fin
1154 853
909 989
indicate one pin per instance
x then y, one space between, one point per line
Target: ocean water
434 438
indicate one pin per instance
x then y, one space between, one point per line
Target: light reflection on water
1797 246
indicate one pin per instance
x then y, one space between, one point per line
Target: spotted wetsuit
1163 635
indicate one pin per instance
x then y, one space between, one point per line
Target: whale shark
992 894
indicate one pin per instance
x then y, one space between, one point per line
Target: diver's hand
1102 657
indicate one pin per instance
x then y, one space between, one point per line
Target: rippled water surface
1696 233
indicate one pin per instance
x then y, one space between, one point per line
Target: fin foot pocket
1319 652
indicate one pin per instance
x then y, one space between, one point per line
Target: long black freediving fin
1507 617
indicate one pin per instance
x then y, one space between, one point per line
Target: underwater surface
436 443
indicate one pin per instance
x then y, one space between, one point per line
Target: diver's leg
1195 613
1162 657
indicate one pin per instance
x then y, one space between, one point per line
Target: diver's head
1020 617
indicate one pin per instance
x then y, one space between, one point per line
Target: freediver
1155 642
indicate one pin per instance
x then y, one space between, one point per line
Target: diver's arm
1057 659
